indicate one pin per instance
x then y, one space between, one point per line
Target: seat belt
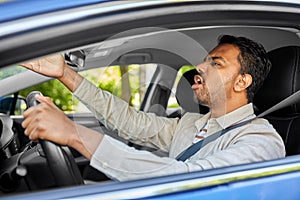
191 150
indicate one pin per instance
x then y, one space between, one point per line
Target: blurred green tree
61 96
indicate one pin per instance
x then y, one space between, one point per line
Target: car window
172 103
127 82
9 103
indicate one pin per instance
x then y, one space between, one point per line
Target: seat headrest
282 81
185 94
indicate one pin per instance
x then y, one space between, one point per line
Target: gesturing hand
49 66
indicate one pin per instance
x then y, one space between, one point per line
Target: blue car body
13 10
267 181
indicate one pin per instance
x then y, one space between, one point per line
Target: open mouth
198 79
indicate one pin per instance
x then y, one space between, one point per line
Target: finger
29 118
29 126
29 65
26 65
47 105
44 99
32 134
28 112
34 127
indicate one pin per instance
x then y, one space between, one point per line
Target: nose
201 68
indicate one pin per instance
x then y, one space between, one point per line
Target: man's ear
242 82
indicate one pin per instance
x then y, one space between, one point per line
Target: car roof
41 15
11 10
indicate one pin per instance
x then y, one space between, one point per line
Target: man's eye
213 63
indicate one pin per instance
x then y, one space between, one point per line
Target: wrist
85 140
70 78
64 73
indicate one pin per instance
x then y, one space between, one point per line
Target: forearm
70 78
86 140
114 113
121 162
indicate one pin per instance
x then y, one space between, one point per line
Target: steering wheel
62 164
60 159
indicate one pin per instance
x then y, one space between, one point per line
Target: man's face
214 84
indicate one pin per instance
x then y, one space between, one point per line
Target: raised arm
46 121
55 66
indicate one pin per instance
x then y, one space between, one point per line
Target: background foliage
61 96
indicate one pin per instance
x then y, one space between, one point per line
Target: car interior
146 46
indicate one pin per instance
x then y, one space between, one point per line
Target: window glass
7 104
60 95
172 103
127 82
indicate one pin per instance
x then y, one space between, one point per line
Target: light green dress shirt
254 142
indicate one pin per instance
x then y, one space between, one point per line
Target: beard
201 99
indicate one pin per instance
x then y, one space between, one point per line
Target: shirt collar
228 119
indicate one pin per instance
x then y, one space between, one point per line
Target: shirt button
104 165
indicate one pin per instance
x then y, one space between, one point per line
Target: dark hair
253 60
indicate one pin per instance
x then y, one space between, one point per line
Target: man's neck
219 111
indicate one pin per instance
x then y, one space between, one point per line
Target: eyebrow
214 58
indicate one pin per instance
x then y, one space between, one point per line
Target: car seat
282 81
185 95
